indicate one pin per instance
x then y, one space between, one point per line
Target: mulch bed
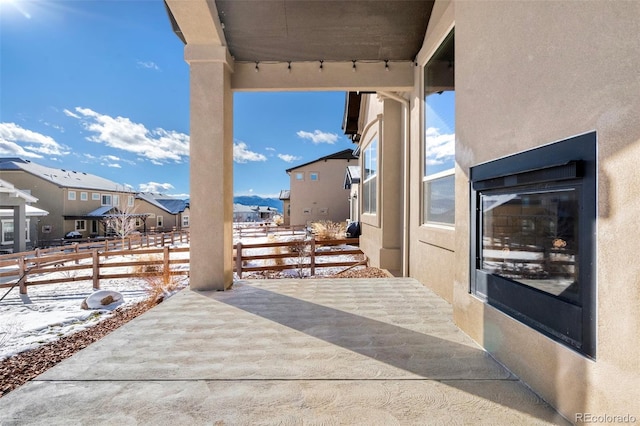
22 367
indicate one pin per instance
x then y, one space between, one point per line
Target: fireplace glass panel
531 237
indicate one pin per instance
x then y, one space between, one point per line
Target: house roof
332 30
65 178
346 154
29 211
165 202
352 176
285 194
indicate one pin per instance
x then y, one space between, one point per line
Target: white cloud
242 154
16 140
114 165
155 187
270 148
148 65
288 158
440 147
159 146
70 114
318 137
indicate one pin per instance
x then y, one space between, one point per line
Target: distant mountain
254 200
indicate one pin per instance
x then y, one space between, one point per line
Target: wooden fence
305 254
243 231
27 271
106 244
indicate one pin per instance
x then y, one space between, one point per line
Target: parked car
73 235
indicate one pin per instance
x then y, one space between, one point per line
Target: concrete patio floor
343 352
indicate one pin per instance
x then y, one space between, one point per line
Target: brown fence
27 271
105 244
244 231
305 254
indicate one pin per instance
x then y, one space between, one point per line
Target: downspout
405 172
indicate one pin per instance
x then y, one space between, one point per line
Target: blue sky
102 87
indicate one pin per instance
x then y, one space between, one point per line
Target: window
95 196
84 196
185 221
130 200
159 222
438 182
370 175
138 222
94 227
313 176
106 200
116 200
533 239
7 231
300 176
81 225
71 195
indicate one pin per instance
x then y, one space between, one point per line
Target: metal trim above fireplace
533 238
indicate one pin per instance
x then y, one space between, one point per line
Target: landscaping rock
101 299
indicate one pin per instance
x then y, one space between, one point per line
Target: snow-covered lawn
51 311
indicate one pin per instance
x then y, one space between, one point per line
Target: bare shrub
277 250
159 283
328 230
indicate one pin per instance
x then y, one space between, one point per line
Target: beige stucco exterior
320 198
527 74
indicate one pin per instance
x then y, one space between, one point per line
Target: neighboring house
352 183
76 201
242 213
285 196
15 207
499 165
317 189
163 212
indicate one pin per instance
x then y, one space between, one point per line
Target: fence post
129 245
23 275
165 266
173 237
239 259
96 269
312 255
76 250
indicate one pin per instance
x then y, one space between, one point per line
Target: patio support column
19 222
211 173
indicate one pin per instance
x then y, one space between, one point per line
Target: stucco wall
528 74
325 193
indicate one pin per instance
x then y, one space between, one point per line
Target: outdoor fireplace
533 238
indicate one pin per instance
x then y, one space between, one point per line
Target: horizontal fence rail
253 230
91 264
302 255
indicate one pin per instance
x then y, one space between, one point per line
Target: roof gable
346 154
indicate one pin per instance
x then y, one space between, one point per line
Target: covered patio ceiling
308 30
315 30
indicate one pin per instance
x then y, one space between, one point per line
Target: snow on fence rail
304 253
27 271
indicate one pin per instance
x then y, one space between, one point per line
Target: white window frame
314 176
95 196
185 221
130 200
299 175
104 197
159 221
80 222
6 222
370 180
116 200
71 195
84 196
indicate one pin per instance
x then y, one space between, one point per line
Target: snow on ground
50 311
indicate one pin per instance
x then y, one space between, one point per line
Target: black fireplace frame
569 163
